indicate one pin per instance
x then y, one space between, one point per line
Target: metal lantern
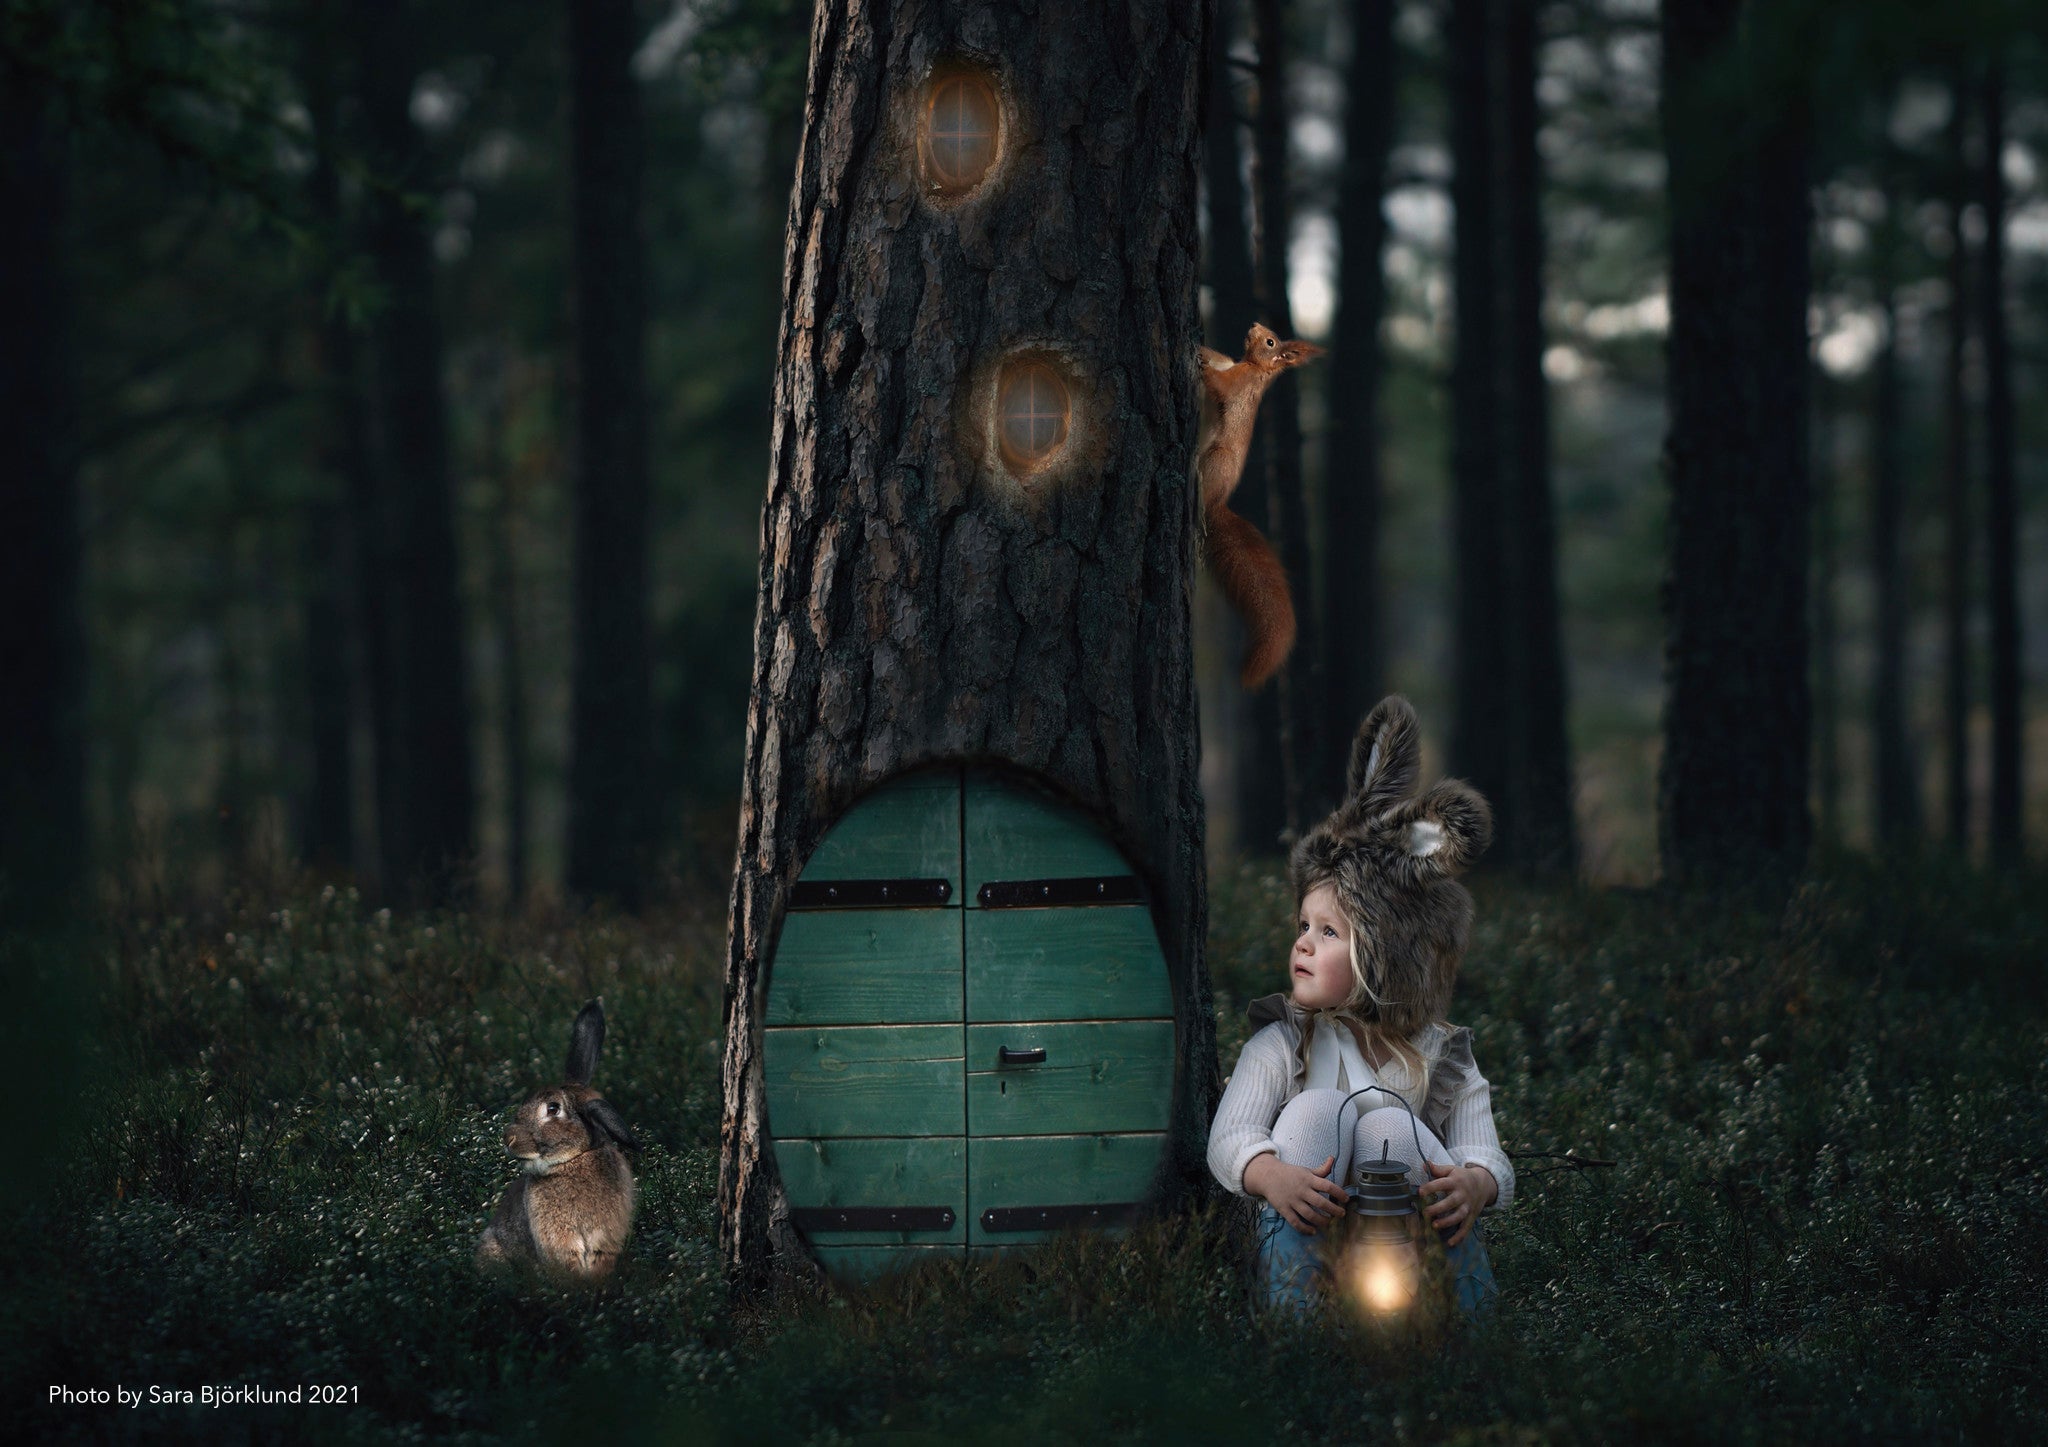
1381 1268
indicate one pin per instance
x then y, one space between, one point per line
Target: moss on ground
1825 1220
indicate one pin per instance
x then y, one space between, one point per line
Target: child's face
1321 963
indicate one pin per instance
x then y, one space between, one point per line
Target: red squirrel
1245 566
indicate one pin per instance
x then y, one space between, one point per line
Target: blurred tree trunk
338 646
1480 746
1299 687
1732 786
1956 477
502 475
1230 252
611 766
1250 728
916 602
1353 630
42 647
1827 716
2001 504
1893 775
428 828
1541 835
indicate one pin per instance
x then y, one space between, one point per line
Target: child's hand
1461 1192
1304 1198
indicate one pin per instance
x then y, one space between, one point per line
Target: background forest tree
315 284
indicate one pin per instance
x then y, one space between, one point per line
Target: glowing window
960 127
1034 410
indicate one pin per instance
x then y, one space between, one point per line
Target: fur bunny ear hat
1394 856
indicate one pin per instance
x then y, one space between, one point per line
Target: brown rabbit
570 1211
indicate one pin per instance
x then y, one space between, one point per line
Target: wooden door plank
1113 1076
866 967
1065 964
913 1171
909 828
1014 831
1056 1170
872 1080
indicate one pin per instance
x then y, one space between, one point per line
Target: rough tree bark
611 767
426 830
916 602
1732 787
2001 501
1299 687
1353 641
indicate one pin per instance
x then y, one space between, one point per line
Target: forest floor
1825 1220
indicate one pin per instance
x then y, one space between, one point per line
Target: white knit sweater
1458 1106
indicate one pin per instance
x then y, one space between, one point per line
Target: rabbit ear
1445 830
586 1036
604 1121
1385 758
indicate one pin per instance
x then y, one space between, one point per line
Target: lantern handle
1421 1156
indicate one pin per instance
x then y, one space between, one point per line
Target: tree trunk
1827 718
917 601
1893 776
1480 719
1250 731
1542 838
1299 688
334 640
430 789
1230 252
501 473
2001 503
611 766
1353 634
42 647
1733 779
1956 478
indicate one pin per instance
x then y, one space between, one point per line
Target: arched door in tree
968 1034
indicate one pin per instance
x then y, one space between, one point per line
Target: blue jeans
1292 1272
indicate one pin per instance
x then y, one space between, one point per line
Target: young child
1382 926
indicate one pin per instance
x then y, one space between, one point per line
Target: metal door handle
1006 1056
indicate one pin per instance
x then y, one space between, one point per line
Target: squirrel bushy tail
1252 578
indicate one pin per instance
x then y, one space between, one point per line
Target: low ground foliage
280 1116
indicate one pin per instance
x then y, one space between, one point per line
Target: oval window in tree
1034 409
962 128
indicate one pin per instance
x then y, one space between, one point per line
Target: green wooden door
969 1034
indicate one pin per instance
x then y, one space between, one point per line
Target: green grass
1826 1220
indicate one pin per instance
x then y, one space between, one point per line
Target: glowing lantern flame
1379 1279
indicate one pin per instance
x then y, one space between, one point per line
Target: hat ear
1386 757
1442 833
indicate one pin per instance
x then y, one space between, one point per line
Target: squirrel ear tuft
1386 757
